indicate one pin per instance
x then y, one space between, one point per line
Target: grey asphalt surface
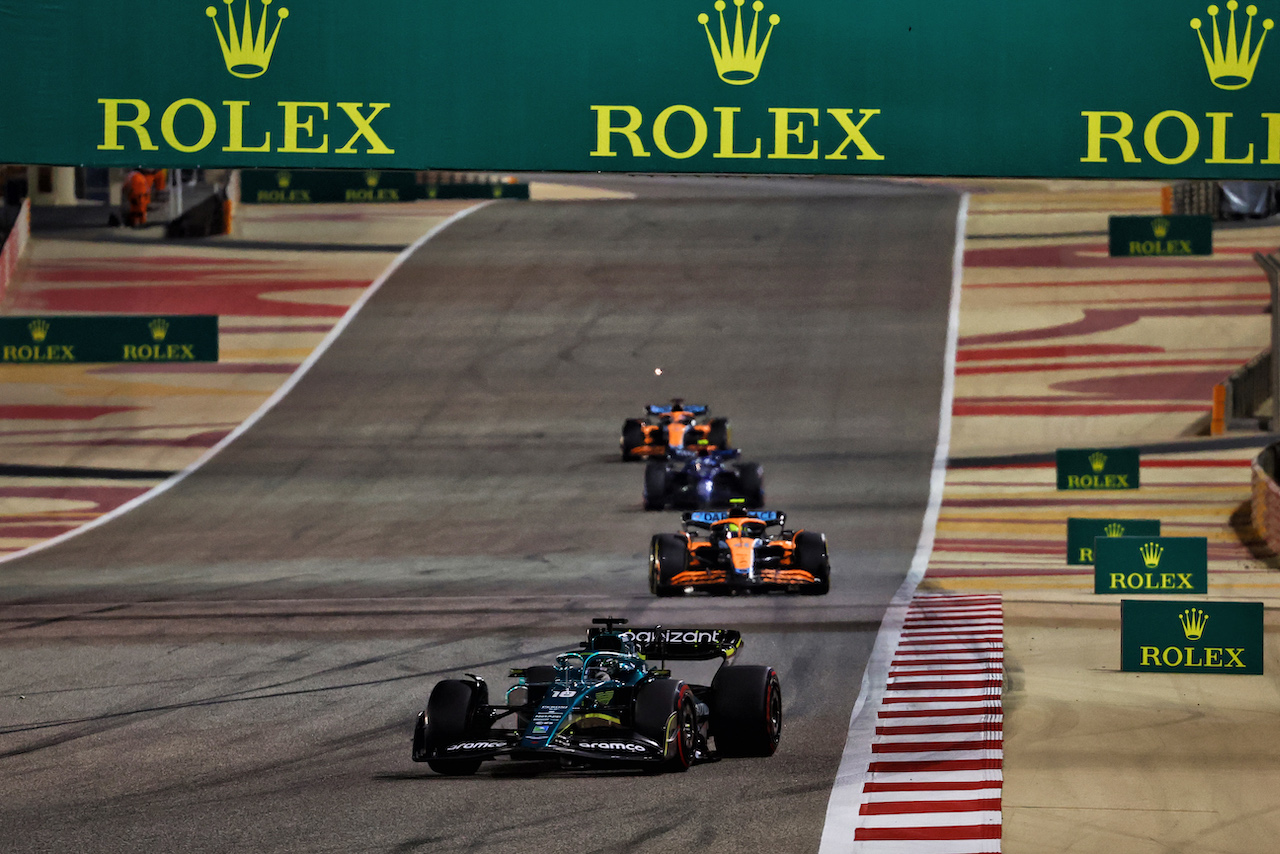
235 665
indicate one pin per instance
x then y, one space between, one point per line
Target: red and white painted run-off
934 780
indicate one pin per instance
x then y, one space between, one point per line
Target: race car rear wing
705 518
691 408
685 644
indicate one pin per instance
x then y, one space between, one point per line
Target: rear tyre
811 556
751 482
746 710
718 434
668 555
665 706
656 480
449 717
632 437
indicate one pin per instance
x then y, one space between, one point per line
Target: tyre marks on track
935 776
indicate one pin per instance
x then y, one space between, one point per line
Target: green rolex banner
312 186
1159 236
1082 532
1097 468
1153 89
60 340
1191 637
1151 565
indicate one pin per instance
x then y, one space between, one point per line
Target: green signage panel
313 186
1142 89
1097 468
1151 565
58 340
1082 532
309 186
1160 236
1191 637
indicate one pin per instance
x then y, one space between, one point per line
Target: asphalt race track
235 665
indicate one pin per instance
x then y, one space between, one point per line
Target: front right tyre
656 483
668 555
664 712
448 718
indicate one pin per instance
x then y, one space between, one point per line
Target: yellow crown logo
1115 529
247 54
738 61
38 329
1097 461
159 328
1231 66
1160 227
1151 554
283 179
1193 620
371 178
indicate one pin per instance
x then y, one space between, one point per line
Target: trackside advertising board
1082 532
1159 236
61 340
1159 89
1097 468
1151 565
1191 637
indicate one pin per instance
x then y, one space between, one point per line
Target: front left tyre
746 710
811 556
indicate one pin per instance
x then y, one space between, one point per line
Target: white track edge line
842 809
267 405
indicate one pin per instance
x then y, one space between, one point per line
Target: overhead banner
1142 89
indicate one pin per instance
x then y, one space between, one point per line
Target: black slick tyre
718 434
632 438
668 555
746 710
751 483
448 718
538 679
655 485
811 556
665 703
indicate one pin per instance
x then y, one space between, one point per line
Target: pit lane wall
14 245
1265 506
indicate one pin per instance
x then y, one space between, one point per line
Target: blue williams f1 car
696 480
607 705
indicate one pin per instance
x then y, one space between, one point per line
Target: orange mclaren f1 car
738 550
675 426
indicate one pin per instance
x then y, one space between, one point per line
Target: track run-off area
234 663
